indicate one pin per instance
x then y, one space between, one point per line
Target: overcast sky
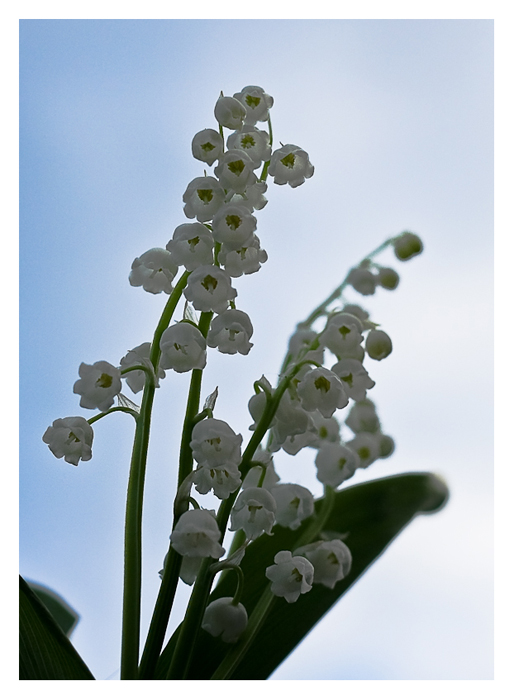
397 116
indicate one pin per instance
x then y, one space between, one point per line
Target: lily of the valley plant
288 555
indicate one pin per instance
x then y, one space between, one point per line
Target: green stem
193 404
133 518
134 506
168 587
322 308
161 614
191 624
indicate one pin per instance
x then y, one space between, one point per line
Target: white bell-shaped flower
363 417
244 261
197 534
235 171
343 336
254 142
191 246
335 463
209 289
222 480
154 271
295 503
183 348
378 345
355 379
367 447
253 512
99 383
321 389
202 198
332 561
253 197
215 444
139 356
223 618
256 102
71 438
290 164
234 226
407 245
290 576
230 332
229 112
207 146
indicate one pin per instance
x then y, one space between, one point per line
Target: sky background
397 116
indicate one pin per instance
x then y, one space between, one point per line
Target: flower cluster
323 372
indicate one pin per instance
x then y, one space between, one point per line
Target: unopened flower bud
229 112
407 245
378 345
386 446
388 278
362 280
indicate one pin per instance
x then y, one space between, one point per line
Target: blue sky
397 116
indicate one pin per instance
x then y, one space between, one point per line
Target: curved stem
322 308
123 409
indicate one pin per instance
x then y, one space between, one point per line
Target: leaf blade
45 651
63 614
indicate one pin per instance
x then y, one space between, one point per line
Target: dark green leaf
370 515
62 613
46 654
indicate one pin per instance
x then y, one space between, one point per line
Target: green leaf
63 614
368 515
46 654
